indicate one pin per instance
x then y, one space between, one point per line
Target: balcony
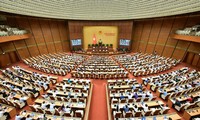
186 38
14 37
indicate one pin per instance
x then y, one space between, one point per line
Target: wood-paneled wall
47 36
124 28
8 58
147 35
154 35
192 59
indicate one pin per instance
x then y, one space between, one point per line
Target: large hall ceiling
99 9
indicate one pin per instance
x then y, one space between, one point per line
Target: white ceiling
99 9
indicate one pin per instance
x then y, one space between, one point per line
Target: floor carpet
98 106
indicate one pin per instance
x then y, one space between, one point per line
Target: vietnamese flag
94 39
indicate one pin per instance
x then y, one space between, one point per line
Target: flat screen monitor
124 42
76 42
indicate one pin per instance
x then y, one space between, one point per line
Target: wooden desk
62 93
150 104
80 106
168 90
18 96
15 73
45 76
78 80
194 94
11 110
37 115
183 98
70 86
124 86
40 90
125 94
121 80
188 114
174 116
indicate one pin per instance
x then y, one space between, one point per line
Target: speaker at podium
100 42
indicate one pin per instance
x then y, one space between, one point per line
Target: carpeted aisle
98 106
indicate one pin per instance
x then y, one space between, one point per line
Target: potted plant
103 45
89 45
107 45
93 45
111 45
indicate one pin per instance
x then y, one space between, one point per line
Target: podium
100 49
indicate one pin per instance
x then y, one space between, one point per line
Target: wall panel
189 57
4 60
145 34
45 35
194 47
19 44
150 48
138 31
23 22
167 52
193 20
137 36
198 65
183 44
195 60
159 49
11 20
36 30
59 47
146 30
155 31
13 57
66 46
178 24
43 49
142 47
159 36
31 40
178 53
51 48
34 51
8 46
23 53
135 45
8 58
165 30
46 30
54 30
62 30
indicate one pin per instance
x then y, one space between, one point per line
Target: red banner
94 39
